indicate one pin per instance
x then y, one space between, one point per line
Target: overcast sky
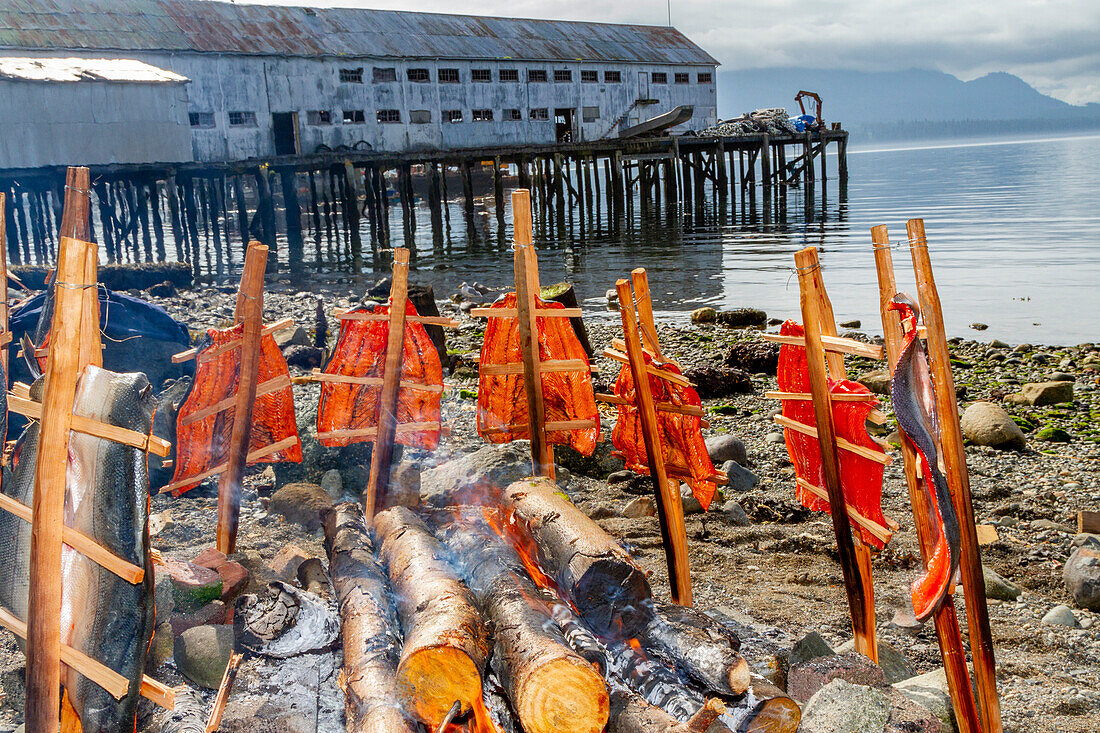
1052 44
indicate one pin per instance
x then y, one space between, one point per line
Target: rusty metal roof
217 27
73 69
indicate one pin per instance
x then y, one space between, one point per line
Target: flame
480 722
504 523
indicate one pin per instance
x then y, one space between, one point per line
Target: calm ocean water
1013 228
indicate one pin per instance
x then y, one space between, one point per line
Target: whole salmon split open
914 407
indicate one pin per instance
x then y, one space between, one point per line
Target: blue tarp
121 316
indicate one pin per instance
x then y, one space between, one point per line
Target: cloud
1052 44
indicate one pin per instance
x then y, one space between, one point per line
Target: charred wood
631 714
701 647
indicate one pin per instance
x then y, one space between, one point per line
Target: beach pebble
1060 616
1047 393
722 448
1081 574
159 522
691 504
160 650
878 381
642 506
735 514
291 336
774 438
740 478
987 423
999 587
202 653
306 357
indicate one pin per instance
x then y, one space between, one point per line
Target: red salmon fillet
681 435
204 444
361 352
860 478
502 399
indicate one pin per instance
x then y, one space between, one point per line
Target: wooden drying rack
75 343
985 716
825 358
532 368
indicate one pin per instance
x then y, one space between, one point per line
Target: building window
389 115
658 77
590 76
383 74
355 117
536 75
201 119
352 76
420 76
482 115
612 77
681 78
318 117
452 115
540 113
590 114
242 119
420 116
563 75
705 77
448 76
512 115
509 74
481 75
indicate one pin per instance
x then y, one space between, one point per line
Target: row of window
323 117
386 74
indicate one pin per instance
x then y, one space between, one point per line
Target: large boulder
491 465
1082 576
201 654
755 357
806 678
1047 393
843 707
301 503
895 667
719 381
987 423
742 317
930 691
722 448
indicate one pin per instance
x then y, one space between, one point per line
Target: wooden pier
205 214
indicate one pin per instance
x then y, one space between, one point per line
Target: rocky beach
760 562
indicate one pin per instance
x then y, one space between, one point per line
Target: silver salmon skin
106 498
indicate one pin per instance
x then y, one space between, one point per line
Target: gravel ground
781 569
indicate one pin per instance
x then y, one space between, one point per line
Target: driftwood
631 714
370 636
551 688
445 641
587 563
699 646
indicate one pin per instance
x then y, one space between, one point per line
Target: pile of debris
775 121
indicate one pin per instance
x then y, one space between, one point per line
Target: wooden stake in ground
62 371
250 307
382 452
958 481
946 621
4 318
854 582
670 508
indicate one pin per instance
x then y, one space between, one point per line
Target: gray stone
642 506
877 381
162 646
806 678
491 465
740 478
1047 393
987 423
1086 539
1060 616
774 438
301 503
163 596
842 707
722 448
998 344
333 484
1062 377
735 514
930 691
908 716
1081 574
292 336
1000 587
202 653
895 667
855 323
691 504
620 476
1049 525
809 647
704 315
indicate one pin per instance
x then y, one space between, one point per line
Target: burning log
601 578
699 646
631 714
500 711
576 634
445 641
371 640
551 688
764 708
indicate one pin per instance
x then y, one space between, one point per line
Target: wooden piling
498 194
295 246
467 190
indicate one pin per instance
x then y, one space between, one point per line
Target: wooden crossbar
265 388
252 457
318 376
408 427
681 473
691 410
229 345
653 351
426 320
551 426
151 443
539 312
876 416
840 442
546 367
882 533
833 344
677 379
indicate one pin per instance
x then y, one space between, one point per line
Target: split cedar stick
527 291
644 304
215 351
151 443
446 645
228 677
958 480
512 312
832 344
372 641
382 453
250 308
62 371
589 565
670 508
91 344
4 315
946 620
854 581
551 687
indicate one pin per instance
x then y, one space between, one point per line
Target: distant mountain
896 99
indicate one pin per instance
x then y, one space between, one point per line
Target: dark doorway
284 126
563 124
